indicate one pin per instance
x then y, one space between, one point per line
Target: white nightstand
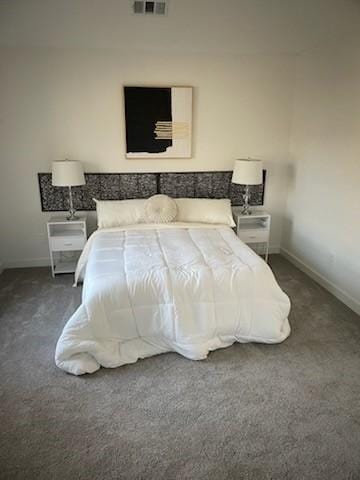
66 241
254 228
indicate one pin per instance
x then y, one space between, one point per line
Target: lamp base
246 211
72 215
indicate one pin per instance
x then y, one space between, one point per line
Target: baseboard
350 301
28 263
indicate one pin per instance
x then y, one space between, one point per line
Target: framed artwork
158 122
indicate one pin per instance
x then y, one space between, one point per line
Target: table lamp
68 173
247 172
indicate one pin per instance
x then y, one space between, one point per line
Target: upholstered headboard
121 186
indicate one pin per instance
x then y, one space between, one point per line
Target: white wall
58 103
322 225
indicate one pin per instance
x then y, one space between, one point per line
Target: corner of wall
310 236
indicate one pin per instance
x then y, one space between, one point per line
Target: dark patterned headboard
122 186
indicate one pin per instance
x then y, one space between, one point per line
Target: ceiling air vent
144 7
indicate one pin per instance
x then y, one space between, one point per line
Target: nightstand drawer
67 243
253 236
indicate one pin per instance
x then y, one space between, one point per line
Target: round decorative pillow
160 209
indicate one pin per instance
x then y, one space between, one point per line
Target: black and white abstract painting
158 122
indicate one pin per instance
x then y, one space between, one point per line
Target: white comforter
154 289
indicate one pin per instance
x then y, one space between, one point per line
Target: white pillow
160 209
204 210
117 213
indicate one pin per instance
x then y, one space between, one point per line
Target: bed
182 287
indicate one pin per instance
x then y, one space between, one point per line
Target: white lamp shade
67 173
248 172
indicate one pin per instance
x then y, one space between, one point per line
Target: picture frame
158 121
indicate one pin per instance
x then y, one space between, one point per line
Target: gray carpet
289 411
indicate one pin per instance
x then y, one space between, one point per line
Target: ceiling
225 26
